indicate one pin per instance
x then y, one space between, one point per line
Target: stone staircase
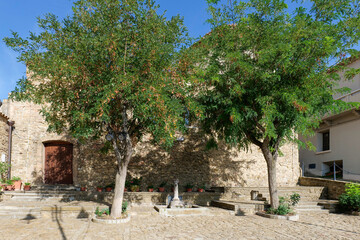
239 199
45 202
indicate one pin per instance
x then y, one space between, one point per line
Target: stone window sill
323 152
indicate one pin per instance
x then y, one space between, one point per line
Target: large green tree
266 70
109 70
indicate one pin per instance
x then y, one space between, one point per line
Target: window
323 141
326 141
312 166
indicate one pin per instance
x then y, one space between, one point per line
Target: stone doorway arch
58 162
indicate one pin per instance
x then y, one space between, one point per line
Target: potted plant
189 187
162 187
27 186
151 188
109 187
135 188
127 186
99 188
201 188
17 183
83 189
9 185
135 184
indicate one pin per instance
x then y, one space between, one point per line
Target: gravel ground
147 224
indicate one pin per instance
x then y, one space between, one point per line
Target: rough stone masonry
188 161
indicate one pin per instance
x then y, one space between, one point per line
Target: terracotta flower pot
99 189
189 189
17 185
200 190
125 190
83 189
9 187
27 188
108 189
161 189
151 189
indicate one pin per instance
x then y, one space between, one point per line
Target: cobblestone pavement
149 225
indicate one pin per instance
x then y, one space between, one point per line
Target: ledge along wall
188 161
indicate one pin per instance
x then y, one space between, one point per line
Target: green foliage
136 181
265 72
285 205
27 184
350 200
16 178
106 57
125 206
9 182
102 212
3 170
189 185
294 199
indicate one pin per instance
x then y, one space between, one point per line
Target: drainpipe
11 127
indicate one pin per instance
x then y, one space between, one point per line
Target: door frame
59 142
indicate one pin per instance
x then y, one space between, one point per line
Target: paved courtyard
146 224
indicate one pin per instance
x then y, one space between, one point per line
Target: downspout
11 127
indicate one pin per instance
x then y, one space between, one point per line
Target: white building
337 140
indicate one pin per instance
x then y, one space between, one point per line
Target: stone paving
147 224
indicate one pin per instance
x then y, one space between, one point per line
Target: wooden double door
58 163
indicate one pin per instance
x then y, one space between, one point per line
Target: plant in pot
27 186
162 187
151 188
17 183
135 184
83 189
109 187
189 187
127 186
99 188
201 188
9 185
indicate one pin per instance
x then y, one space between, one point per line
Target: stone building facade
188 160
4 137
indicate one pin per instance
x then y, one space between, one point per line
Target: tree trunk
116 208
123 162
271 166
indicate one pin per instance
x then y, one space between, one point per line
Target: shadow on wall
188 161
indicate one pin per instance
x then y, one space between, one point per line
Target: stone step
239 208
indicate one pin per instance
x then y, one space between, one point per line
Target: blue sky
20 16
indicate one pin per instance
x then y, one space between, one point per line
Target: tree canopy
113 67
265 70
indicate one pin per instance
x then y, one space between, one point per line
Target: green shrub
350 200
295 198
124 206
285 204
16 178
3 169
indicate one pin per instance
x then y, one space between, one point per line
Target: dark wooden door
58 163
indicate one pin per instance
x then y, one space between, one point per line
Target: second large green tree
265 70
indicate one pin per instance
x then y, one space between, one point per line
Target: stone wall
188 160
4 137
334 188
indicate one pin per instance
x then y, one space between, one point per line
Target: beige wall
188 160
344 146
344 131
